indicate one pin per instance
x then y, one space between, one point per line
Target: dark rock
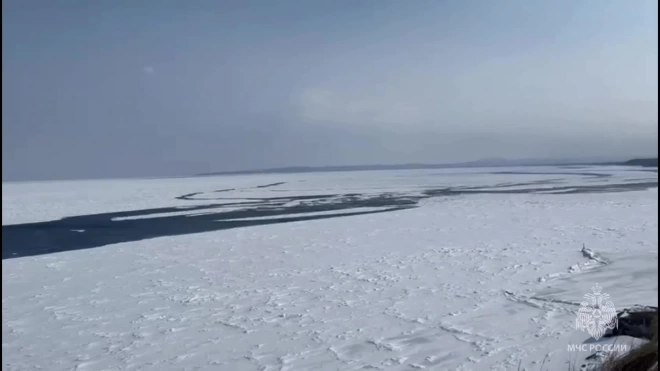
636 322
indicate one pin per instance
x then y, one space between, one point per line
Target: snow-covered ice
464 281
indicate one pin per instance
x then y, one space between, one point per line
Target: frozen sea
461 269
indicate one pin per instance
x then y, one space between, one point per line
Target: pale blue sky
150 88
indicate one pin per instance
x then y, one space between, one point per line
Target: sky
157 88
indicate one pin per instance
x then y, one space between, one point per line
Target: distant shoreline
649 163
642 162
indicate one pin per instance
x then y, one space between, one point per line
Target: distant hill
645 162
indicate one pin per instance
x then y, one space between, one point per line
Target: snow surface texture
463 281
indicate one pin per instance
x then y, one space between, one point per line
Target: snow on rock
633 329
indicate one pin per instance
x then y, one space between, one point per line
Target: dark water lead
96 230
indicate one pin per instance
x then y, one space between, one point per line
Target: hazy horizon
149 89
514 163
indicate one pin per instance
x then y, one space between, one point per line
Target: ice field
458 269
